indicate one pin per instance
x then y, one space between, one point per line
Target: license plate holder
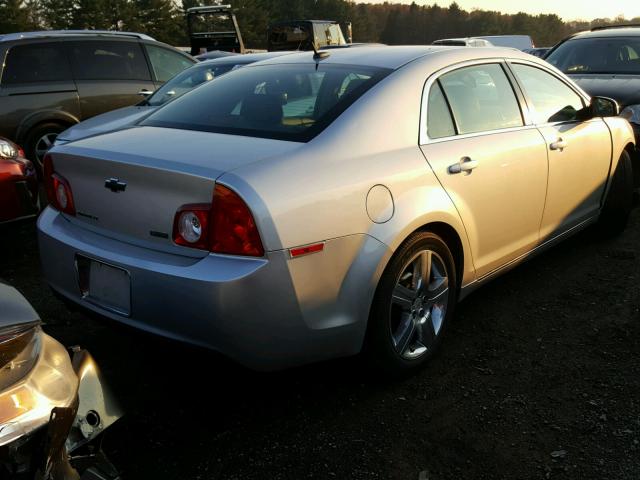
104 285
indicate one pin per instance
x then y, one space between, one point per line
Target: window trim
424 138
586 99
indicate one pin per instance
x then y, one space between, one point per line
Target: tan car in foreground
312 206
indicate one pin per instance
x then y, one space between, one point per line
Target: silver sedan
318 206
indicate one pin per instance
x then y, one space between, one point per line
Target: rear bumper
267 313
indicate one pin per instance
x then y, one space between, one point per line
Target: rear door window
552 99
36 63
481 98
98 60
439 121
166 63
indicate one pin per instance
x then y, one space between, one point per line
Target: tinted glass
166 63
290 37
289 102
186 80
598 55
552 99
481 99
45 62
109 61
439 121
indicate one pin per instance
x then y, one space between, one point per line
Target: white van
521 42
464 42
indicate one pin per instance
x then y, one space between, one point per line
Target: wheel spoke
422 270
428 331
404 333
46 141
438 289
403 297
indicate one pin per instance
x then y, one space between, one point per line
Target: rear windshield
598 55
285 102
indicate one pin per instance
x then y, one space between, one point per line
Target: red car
18 183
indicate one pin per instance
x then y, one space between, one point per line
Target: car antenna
318 55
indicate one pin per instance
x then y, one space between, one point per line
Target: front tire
619 202
412 306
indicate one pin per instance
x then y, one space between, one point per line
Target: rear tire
619 202
40 139
412 306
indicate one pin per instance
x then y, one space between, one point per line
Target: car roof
613 31
71 33
246 58
394 57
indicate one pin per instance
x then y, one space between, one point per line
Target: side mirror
604 107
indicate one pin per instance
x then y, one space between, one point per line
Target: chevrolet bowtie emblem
115 185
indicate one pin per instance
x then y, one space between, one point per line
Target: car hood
14 308
625 89
105 123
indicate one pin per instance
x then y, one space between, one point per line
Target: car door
492 165
579 151
109 74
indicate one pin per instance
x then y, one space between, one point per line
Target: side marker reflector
306 250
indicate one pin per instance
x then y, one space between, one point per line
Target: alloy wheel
419 305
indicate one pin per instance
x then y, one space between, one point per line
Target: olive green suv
51 80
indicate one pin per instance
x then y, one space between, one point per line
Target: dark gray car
51 80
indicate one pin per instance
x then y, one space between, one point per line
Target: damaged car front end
52 406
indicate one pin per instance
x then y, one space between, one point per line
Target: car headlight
9 150
631 113
19 351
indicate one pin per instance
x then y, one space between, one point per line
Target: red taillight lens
58 189
233 230
224 226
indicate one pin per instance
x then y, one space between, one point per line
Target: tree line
389 23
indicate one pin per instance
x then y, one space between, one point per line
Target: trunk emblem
115 185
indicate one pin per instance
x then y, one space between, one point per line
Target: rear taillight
58 189
224 226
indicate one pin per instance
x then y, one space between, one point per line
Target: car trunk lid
129 184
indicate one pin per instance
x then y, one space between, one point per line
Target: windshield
185 81
598 55
287 102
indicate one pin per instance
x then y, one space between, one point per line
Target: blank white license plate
106 286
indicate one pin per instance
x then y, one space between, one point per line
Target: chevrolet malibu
321 205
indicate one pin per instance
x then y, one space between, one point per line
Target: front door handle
559 144
145 93
464 165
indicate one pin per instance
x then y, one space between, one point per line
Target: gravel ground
538 378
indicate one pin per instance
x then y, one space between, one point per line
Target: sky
566 9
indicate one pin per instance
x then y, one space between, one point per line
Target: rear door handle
559 144
145 93
464 165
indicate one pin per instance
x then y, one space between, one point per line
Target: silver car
320 205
